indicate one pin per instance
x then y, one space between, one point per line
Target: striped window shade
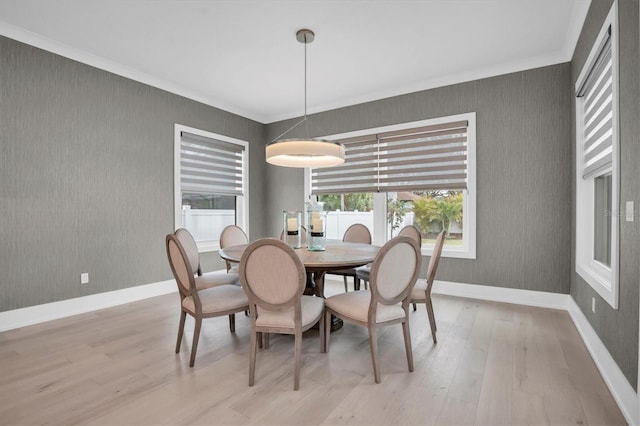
597 93
210 166
423 158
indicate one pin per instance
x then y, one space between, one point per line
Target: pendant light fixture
304 152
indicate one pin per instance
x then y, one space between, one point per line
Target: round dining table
337 255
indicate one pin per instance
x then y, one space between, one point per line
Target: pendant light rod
305 37
305 71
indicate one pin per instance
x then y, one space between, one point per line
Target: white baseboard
620 388
540 299
65 308
623 393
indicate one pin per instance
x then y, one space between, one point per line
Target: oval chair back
357 233
232 235
394 271
180 265
190 248
272 274
435 258
413 232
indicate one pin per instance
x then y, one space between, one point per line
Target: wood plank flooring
494 364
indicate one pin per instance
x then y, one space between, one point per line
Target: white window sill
599 278
208 246
460 253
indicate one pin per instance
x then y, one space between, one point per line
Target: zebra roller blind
423 158
597 93
210 166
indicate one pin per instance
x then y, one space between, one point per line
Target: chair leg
344 278
196 337
435 326
432 320
183 316
232 323
366 284
260 340
407 343
252 355
414 307
322 330
265 339
373 342
298 356
327 329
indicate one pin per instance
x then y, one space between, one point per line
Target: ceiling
243 56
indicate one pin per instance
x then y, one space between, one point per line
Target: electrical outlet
629 211
84 278
593 305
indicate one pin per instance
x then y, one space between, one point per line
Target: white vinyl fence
338 222
205 224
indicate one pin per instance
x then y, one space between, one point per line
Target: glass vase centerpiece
317 224
292 228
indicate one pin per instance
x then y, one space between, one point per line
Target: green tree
361 202
396 210
449 209
331 201
425 211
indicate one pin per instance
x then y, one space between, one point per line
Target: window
210 174
597 165
420 173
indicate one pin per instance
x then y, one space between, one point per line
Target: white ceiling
243 56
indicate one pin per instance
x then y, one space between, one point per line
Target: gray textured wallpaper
618 329
523 172
86 176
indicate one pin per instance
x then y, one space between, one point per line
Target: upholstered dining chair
225 299
363 272
232 235
421 292
274 278
393 273
207 279
356 233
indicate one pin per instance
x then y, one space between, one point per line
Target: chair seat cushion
311 309
219 299
363 272
418 293
214 279
355 305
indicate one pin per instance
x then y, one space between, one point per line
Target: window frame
468 250
242 201
604 280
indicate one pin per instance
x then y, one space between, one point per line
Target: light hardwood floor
494 364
